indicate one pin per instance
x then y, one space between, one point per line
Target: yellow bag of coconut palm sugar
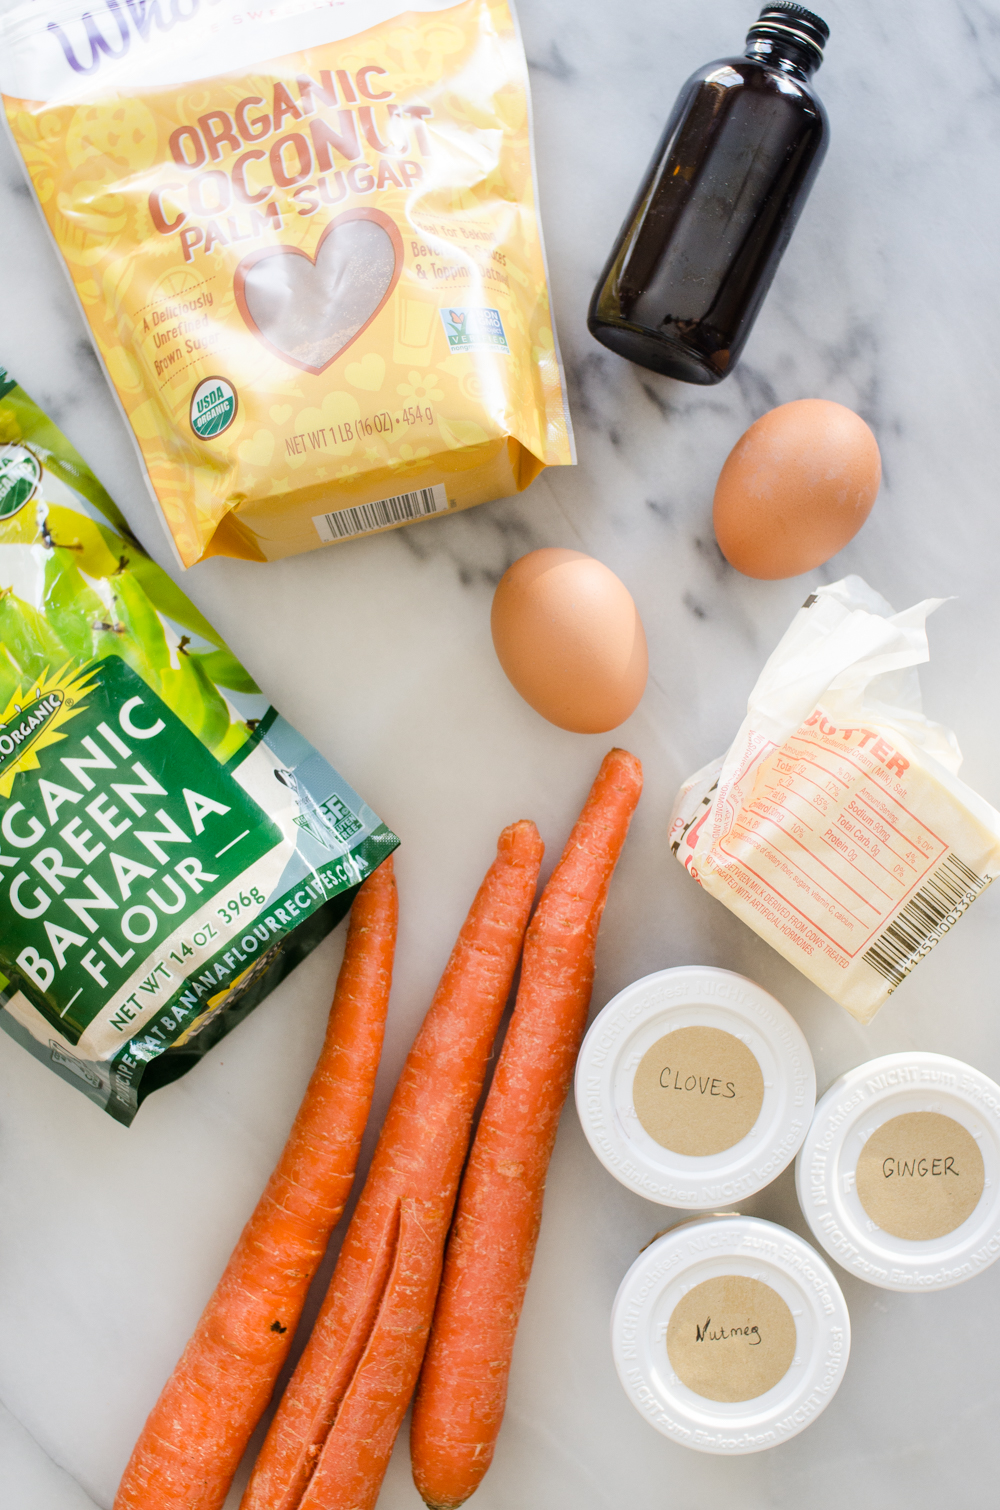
306 241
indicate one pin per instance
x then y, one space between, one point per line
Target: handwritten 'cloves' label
731 1338
920 1176
698 1091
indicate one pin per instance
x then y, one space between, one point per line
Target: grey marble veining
380 652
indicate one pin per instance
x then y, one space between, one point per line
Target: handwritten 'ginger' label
920 1175
698 1091
731 1338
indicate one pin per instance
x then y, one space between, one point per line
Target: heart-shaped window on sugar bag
348 319
307 310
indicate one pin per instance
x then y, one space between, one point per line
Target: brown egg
568 636
795 488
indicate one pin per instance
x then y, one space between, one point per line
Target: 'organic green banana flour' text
169 846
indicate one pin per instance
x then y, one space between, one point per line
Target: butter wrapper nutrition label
836 825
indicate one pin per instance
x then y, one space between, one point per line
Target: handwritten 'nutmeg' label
920 1175
731 1338
698 1091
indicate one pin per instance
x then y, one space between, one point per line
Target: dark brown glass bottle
705 234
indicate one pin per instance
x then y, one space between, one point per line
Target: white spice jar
694 1087
730 1334
899 1174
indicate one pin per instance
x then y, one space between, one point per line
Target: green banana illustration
27 638
111 637
10 681
173 604
224 670
50 446
141 621
137 615
212 706
71 605
235 737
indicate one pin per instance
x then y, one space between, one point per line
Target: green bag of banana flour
169 846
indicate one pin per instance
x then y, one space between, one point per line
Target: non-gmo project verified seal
474 330
213 407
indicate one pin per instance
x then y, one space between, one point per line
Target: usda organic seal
213 407
20 474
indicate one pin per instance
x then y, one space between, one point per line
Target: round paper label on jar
695 1087
920 1175
899 1174
731 1338
698 1091
730 1334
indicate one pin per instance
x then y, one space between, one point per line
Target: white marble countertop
110 1241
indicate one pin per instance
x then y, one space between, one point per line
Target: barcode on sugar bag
381 515
925 919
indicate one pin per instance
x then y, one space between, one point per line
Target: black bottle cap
784 21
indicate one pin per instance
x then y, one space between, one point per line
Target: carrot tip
521 843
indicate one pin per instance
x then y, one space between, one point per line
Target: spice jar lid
730 1334
695 1087
899 1174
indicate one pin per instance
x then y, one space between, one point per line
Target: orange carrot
463 1384
330 1441
194 1438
